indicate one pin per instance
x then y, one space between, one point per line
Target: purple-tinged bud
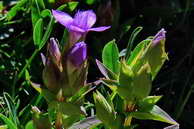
55 53
161 35
78 54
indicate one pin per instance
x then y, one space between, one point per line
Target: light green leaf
38 32
8 122
72 5
125 90
106 71
131 41
138 52
156 113
156 56
87 123
15 9
45 13
29 125
142 82
105 112
36 8
110 56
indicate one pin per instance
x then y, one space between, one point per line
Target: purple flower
80 24
55 53
161 35
78 54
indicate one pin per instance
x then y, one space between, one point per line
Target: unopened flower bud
55 53
161 35
78 54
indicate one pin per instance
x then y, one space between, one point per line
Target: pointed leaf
86 123
131 41
110 56
138 52
105 71
38 32
105 112
8 122
155 114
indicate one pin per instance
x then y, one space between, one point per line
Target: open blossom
78 54
79 25
161 35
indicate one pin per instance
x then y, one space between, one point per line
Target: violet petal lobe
85 19
76 29
78 54
159 36
62 17
99 29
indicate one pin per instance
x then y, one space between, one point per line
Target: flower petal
85 19
98 29
159 36
62 17
76 28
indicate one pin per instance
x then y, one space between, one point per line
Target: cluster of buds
65 67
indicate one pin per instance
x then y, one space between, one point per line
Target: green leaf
68 109
105 112
29 125
156 113
138 52
46 13
110 56
38 32
36 8
131 41
8 122
125 90
72 5
47 33
41 121
156 56
80 94
3 127
86 123
148 103
15 9
106 71
112 84
90 2
142 82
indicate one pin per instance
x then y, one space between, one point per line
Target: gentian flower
78 54
55 53
161 35
79 25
